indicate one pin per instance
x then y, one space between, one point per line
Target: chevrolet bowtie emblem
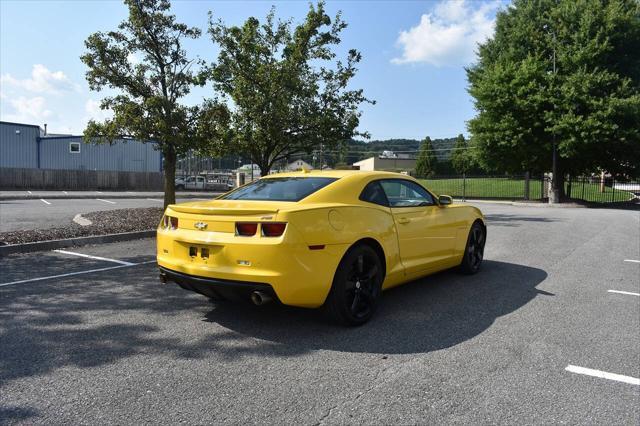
200 225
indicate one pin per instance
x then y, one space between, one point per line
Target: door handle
403 220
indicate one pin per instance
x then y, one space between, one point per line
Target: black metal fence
595 189
598 189
517 187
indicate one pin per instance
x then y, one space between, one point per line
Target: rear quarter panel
344 225
463 216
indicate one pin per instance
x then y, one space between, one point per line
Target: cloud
92 108
449 35
28 110
42 81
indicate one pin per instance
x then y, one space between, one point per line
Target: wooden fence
79 180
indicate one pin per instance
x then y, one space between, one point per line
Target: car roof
334 174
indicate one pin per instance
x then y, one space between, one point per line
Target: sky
414 54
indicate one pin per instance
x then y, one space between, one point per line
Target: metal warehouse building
29 158
26 146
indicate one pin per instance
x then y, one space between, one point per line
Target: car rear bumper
296 274
217 288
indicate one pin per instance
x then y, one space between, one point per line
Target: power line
348 152
400 152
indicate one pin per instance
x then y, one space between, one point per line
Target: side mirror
444 200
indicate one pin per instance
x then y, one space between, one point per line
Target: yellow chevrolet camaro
311 239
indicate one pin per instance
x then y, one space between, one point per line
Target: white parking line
65 192
106 201
75 273
155 199
632 260
88 256
44 201
624 292
99 192
28 192
603 375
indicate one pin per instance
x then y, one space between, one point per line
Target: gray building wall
376 163
22 147
18 145
122 155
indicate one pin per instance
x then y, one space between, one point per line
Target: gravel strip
103 222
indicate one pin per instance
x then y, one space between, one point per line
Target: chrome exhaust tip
259 298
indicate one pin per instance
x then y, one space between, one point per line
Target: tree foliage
460 156
427 162
288 93
147 104
590 105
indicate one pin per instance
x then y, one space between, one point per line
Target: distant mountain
358 150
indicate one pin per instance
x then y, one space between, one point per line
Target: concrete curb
633 204
539 204
109 196
74 242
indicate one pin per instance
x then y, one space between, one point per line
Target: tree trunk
265 167
169 167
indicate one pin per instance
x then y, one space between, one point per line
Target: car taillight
246 229
170 222
273 229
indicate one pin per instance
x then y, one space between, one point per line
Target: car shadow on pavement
513 219
124 314
432 313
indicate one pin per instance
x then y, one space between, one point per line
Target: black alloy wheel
474 251
356 286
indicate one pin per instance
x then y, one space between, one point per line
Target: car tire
180 187
356 288
474 250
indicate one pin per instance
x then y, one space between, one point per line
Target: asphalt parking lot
43 213
537 336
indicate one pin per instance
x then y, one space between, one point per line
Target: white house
298 165
246 169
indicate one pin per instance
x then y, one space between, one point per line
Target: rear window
280 189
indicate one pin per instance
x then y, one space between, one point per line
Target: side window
405 193
373 193
74 147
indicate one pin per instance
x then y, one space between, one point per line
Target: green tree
427 161
147 104
460 156
563 72
288 94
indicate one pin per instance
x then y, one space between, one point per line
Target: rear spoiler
221 211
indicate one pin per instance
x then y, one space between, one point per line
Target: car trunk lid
229 207
221 215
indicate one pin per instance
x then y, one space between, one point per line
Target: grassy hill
358 150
